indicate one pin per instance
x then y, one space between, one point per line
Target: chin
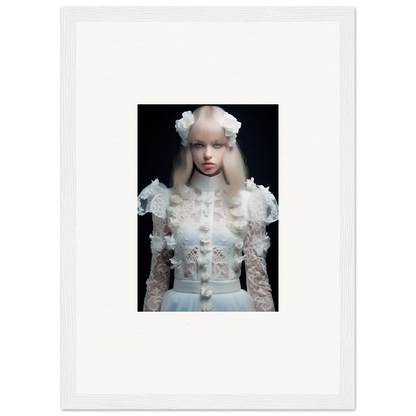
208 172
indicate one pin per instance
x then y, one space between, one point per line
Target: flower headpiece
183 125
227 121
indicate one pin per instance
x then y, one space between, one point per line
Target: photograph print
208 182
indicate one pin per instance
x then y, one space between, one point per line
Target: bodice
207 235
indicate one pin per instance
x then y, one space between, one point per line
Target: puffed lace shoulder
262 204
154 198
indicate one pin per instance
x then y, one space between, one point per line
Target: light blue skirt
178 300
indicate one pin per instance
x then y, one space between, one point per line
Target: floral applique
156 244
262 246
170 242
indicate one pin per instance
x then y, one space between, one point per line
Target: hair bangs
206 123
206 127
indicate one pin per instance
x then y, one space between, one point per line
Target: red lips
208 165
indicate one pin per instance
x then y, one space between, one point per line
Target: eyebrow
218 141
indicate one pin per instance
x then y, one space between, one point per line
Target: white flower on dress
267 194
183 125
206 290
206 248
174 216
205 277
205 226
239 243
175 262
231 127
235 200
174 212
237 261
238 212
207 211
262 246
173 222
208 201
207 307
170 242
156 243
155 182
238 225
250 183
176 199
203 263
205 238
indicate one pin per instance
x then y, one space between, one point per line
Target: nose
207 154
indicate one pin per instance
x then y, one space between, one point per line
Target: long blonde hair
234 167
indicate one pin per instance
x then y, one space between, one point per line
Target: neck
207 183
213 174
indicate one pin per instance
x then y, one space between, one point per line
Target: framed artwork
128 73
258 143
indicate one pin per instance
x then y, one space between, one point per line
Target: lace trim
258 285
158 281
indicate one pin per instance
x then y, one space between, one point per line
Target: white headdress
227 121
183 125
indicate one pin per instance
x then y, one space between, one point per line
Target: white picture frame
79 296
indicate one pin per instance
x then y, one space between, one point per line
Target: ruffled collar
207 183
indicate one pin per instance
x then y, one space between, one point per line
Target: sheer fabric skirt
179 301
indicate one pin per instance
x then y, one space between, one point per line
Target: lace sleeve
153 199
256 245
158 281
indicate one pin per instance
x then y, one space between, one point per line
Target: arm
158 281
255 249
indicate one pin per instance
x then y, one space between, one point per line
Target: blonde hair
234 167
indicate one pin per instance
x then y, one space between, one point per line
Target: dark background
159 143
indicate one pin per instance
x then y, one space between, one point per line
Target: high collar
207 183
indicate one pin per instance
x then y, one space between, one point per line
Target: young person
208 223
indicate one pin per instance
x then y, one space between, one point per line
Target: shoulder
260 202
154 198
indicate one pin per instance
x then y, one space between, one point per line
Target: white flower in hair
183 125
231 127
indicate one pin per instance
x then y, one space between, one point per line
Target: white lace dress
205 241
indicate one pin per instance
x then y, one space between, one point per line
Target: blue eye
198 145
218 145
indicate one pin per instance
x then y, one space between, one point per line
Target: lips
207 165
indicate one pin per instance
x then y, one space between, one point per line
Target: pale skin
208 154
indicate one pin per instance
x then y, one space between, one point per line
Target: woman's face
208 153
